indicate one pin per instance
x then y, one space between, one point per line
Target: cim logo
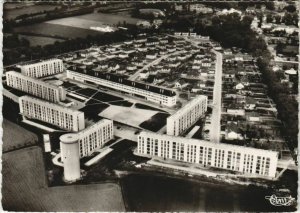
280 201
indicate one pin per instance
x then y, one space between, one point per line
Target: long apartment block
148 92
35 87
95 136
240 159
186 116
57 115
42 68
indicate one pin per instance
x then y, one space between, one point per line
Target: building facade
62 117
42 68
186 116
240 159
151 93
35 87
95 137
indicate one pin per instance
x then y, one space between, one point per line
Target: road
217 101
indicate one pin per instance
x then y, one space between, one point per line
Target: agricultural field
24 188
77 26
15 136
11 11
88 20
55 30
40 40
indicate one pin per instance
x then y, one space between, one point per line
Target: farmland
77 26
52 30
15 136
94 19
39 40
24 188
22 9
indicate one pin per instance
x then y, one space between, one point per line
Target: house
123 55
181 84
239 86
143 24
232 132
151 55
144 74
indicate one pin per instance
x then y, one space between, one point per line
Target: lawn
24 188
143 106
122 103
15 136
92 111
106 97
156 122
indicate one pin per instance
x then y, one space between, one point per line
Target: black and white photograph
150 106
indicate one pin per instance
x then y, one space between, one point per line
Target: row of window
220 158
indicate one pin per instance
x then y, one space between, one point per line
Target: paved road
217 101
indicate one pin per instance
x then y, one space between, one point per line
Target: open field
109 19
77 26
53 30
77 22
39 40
130 116
15 136
24 9
156 122
24 188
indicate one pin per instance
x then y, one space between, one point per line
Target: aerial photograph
150 106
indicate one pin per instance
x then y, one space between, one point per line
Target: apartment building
186 116
243 160
35 87
42 68
95 136
148 92
57 115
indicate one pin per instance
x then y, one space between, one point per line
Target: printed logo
280 201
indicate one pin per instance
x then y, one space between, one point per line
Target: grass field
48 29
13 13
15 136
156 122
93 20
24 188
38 40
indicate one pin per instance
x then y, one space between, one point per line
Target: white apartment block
35 87
243 160
42 68
94 137
186 116
65 118
151 93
